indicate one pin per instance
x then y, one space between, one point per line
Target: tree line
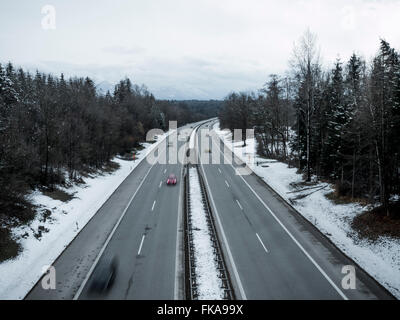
340 124
54 129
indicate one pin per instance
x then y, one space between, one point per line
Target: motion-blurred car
172 180
104 275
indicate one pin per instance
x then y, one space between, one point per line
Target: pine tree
382 107
352 135
337 118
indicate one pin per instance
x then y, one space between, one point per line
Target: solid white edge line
96 261
141 244
289 233
262 243
224 239
178 255
78 293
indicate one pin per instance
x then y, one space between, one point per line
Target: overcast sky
184 49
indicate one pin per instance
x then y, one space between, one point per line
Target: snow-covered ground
19 275
209 284
381 258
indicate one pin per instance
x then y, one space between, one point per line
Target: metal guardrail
218 253
190 272
191 292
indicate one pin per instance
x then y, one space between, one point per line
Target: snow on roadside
19 275
209 284
381 259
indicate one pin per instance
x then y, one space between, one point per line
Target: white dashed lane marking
141 244
259 239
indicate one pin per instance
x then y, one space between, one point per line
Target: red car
172 180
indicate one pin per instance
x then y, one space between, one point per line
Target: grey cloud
189 49
121 50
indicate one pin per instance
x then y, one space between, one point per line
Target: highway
145 242
273 253
139 225
270 250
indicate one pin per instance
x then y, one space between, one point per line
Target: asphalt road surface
139 225
270 250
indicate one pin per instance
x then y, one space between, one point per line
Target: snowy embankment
208 282
19 275
381 258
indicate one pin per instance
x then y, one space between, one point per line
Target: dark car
104 275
